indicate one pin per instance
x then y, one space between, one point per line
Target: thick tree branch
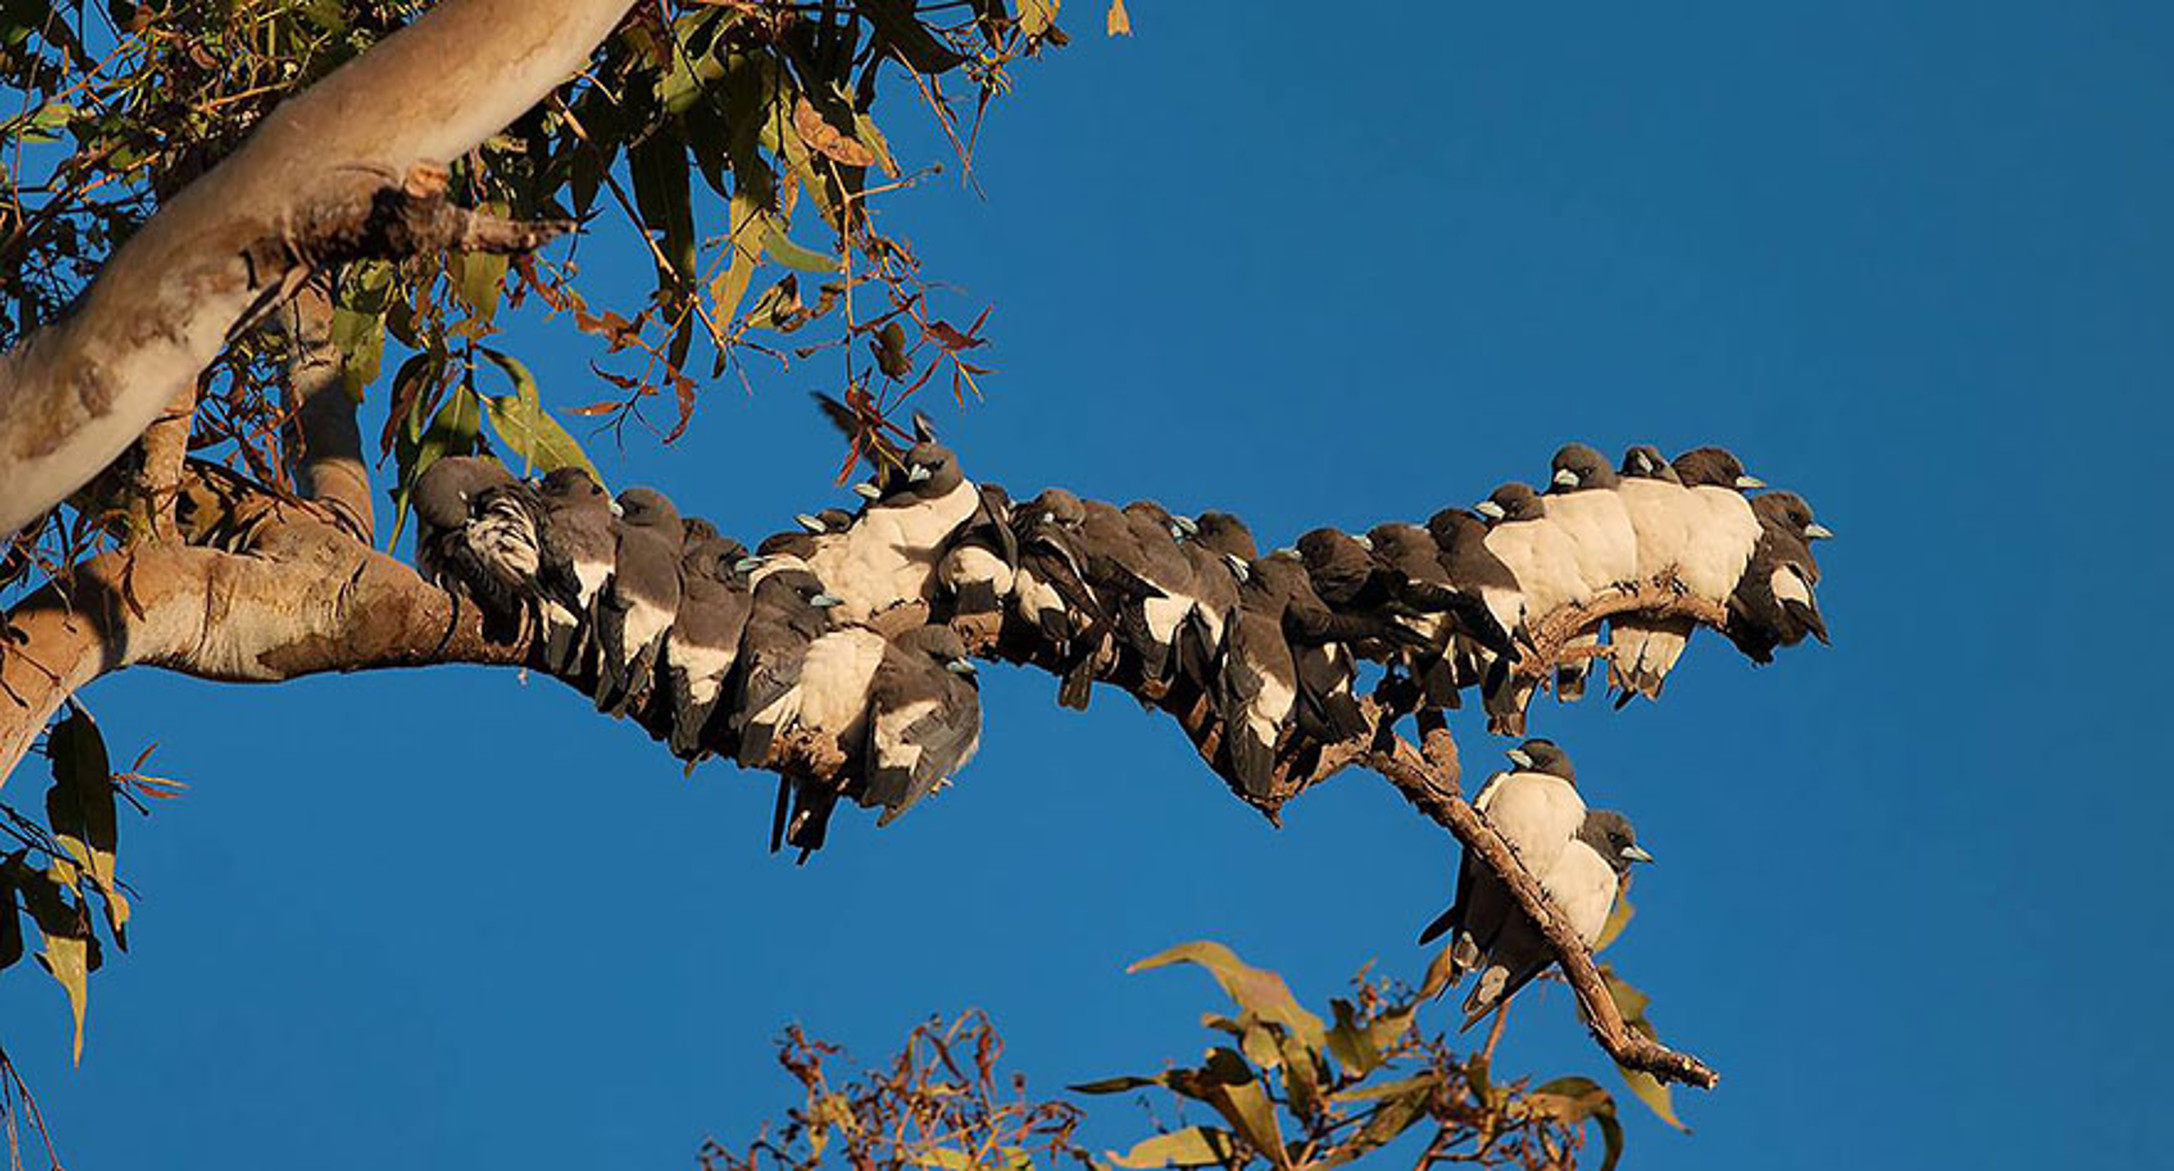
324 444
225 249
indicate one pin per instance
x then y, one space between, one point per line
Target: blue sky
1909 259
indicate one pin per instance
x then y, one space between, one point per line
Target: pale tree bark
324 444
77 392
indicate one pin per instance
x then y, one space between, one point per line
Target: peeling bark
324 444
78 391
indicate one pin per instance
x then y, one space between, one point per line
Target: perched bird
1662 513
444 498
1460 544
503 537
830 704
704 640
980 569
1582 501
829 520
888 555
1258 685
1774 604
926 722
1164 565
1537 810
788 610
1319 639
1101 538
1720 533
577 547
1209 543
1582 883
635 610
1544 560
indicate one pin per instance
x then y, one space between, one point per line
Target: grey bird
1460 544
1662 513
980 568
1050 590
444 499
635 611
1544 560
830 705
1209 543
1582 501
1536 808
1320 640
1258 684
577 548
787 611
1720 536
926 720
1774 605
1583 883
704 641
1162 564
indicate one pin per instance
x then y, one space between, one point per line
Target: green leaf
67 959
791 255
1387 1090
526 428
659 167
1301 1080
1257 990
478 278
1351 1042
946 1158
1194 1146
1619 917
1578 1099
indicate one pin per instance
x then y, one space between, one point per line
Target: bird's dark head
941 644
931 469
1154 513
1611 834
1324 549
1790 513
694 529
1714 467
648 508
787 544
1578 466
1645 462
1511 502
1452 528
574 484
1540 755
1221 532
1058 506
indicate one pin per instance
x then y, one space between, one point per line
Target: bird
1051 594
502 536
1544 561
980 568
926 720
1319 641
444 499
1208 543
888 555
830 705
1258 683
788 609
704 640
1662 513
1720 535
1164 565
1099 538
576 550
1537 810
1460 546
1773 605
635 609
1582 883
1582 501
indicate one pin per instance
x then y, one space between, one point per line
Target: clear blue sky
1909 258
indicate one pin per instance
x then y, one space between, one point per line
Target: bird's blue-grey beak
1817 531
1186 525
1747 483
1238 566
960 666
868 490
918 473
826 601
749 564
1519 757
1048 517
1566 478
1637 854
1490 510
1365 542
1283 551
618 509
1644 461
808 522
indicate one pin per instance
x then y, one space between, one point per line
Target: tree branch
324 444
232 243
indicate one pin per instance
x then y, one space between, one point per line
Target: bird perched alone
925 722
1774 604
636 609
1536 808
1582 882
575 561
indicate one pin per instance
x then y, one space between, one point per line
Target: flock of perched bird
719 650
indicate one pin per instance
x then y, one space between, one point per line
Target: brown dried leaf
826 139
